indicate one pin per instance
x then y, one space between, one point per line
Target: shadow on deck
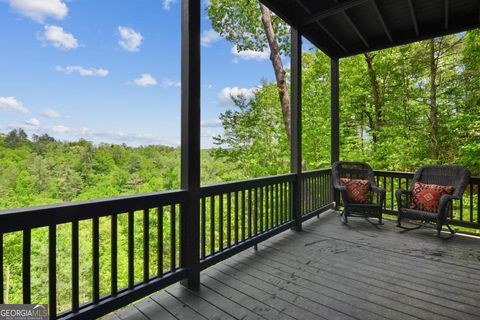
332 271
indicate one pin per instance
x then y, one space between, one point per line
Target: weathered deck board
332 271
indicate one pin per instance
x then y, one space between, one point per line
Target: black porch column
296 124
190 142
335 116
335 111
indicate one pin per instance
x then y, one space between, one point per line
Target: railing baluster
236 217
324 186
471 202
392 193
478 203
250 213
290 199
285 199
308 194
146 245
160 241
303 190
461 208
282 214
131 250
52 271
229 220
243 212
2 290
255 211
261 209
272 206
313 193
277 212
26 282
212 225
96 260
75 265
113 254
220 222
267 208
203 235
173 238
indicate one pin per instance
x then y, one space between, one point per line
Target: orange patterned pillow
357 189
426 197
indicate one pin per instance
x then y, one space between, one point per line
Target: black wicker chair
455 176
363 171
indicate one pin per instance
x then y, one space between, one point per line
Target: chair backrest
352 170
455 176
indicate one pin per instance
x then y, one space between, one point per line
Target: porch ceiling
342 28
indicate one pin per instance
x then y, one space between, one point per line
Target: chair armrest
382 192
399 193
445 200
343 193
378 190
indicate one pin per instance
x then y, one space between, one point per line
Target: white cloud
211 123
60 129
208 37
51 114
226 95
84 72
130 40
251 54
167 83
34 122
39 10
145 80
167 4
12 104
59 38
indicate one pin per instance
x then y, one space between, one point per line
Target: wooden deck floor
332 271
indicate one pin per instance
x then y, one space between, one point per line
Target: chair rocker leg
380 222
439 232
343 217
406 229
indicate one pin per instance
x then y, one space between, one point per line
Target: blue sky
109 71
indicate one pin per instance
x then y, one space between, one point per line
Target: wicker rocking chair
347 173
454 179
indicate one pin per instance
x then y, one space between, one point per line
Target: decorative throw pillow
358 190
426 197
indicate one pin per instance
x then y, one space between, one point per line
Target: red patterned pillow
426 197
357 189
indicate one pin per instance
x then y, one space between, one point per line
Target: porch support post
335 115
190 142
296 124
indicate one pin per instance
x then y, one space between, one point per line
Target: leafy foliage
255 142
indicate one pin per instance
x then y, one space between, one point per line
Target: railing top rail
73 211
233 186
314 172
400 174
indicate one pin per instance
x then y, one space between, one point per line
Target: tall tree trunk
377 97
276 59
279 71
433 103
